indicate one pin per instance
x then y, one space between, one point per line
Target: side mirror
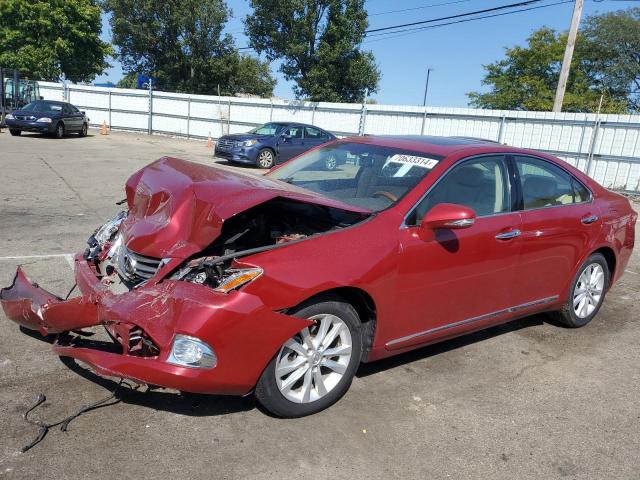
285 137
83 112
40 97
446 216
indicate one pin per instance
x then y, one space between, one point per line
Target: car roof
435 145
50 101
298 124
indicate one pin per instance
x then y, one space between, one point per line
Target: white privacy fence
607 147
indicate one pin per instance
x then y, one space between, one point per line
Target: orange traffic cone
209 142
103 128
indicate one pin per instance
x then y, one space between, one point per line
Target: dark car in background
49 117
274 143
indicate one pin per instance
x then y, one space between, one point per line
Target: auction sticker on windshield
423 162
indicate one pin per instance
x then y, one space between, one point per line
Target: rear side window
547 185
580 192
313 133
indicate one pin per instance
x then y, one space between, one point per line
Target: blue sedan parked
273 143
49 117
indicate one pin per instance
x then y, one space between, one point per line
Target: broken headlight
221 280
106 231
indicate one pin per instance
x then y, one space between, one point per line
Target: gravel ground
524 400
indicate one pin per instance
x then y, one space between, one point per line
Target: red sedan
223 282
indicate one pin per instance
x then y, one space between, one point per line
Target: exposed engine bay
268 225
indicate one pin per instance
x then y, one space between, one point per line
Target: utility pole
568 55
426 88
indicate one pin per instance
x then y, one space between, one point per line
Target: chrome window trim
485 316
544 160
504 155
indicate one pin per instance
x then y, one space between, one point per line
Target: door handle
507 235
588 220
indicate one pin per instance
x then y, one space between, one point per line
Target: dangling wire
64 423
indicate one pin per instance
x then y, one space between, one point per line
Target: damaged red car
223 282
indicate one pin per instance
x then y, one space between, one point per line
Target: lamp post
426 87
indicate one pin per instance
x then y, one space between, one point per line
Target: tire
83 130
313 380
331 163
585 301
265 158
59 131
15 133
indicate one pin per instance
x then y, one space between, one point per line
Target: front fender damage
244 333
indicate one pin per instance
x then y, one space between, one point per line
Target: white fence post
363 119
150 110
592 147
188 117
503 122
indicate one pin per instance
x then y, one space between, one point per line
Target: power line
383 32
432 20
410 31
417 8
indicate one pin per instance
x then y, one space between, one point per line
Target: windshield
366 176
267 129
40 106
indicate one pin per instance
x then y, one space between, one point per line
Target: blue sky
455 52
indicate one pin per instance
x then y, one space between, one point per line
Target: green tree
318 42
181 44
606 62
611 52
49 38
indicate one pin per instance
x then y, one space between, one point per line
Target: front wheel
15 133
265 158
59 131
83 130
587 292
315 367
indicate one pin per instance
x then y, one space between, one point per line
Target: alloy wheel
265 159
588 291
313 362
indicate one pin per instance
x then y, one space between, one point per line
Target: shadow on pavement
372 368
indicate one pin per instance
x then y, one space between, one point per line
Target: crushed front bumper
243 332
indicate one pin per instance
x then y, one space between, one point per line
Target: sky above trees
457 53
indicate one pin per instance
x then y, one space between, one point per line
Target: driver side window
481 184
294 132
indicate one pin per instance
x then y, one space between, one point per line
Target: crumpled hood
176 208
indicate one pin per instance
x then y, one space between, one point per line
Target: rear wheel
14 132
265 159
587 292
83 130
315 367
59 131
331 162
